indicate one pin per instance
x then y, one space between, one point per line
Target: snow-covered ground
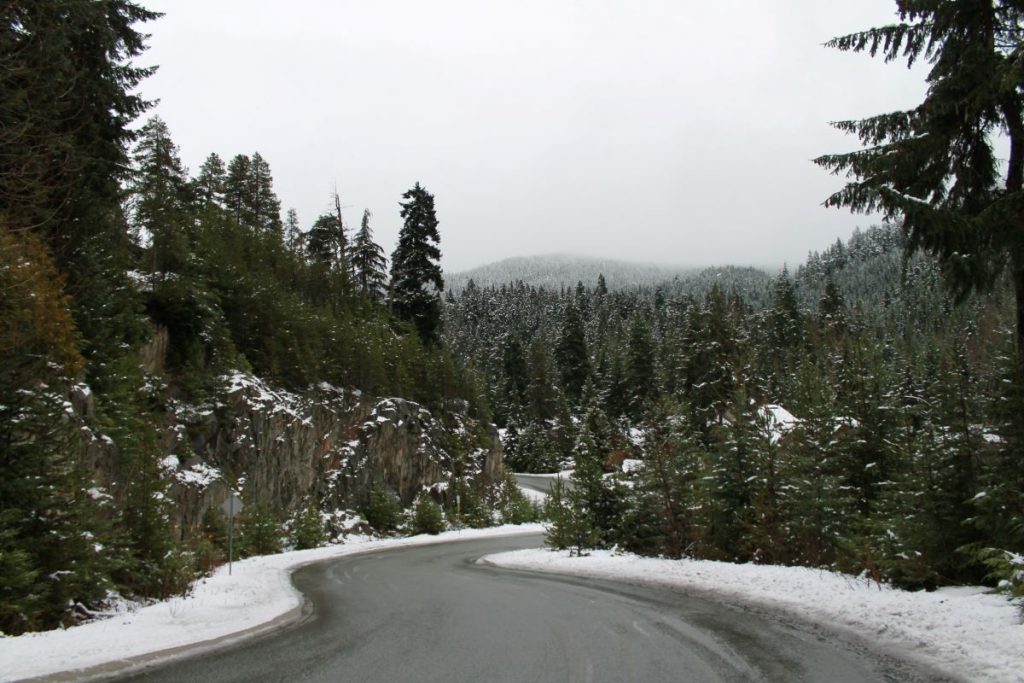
964 631
258 592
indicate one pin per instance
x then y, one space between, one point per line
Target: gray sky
670 131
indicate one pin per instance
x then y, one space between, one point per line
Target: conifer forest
862 411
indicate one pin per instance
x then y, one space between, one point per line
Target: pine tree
368 261
416 282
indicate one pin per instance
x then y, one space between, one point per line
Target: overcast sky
669 131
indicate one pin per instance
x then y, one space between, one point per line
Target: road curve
540 482
429 613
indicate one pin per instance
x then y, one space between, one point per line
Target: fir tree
416 282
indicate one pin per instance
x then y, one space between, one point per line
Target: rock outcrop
328 446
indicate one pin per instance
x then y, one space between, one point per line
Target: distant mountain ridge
553 271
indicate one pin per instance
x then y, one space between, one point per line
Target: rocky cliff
328 446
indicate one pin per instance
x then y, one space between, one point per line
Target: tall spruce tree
416 282
367 260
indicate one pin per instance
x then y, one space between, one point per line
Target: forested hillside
854 417
167 337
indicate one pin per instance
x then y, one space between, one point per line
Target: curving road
541 482
430 614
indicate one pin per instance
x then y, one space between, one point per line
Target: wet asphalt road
429 614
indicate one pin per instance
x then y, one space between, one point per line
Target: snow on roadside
965 631
258 591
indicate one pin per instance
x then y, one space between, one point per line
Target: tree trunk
1018 287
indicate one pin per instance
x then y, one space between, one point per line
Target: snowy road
430 614
541 483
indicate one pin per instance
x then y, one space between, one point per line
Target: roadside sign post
230 506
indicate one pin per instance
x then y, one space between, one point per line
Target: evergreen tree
260 533
571 355
510 398
832 309
308 529
209 184
663 519
293 236
237 187
66 90
324 241
934 165
159 197
427 517
368 261
264 206
640 371
416 281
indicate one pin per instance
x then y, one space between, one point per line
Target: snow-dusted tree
416 282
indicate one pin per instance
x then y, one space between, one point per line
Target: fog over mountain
555 270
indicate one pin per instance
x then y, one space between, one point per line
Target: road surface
540 482
429 613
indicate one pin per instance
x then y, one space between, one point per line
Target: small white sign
233 505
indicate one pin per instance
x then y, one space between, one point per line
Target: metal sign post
230 506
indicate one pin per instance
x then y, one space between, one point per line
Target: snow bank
258 591
965 631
